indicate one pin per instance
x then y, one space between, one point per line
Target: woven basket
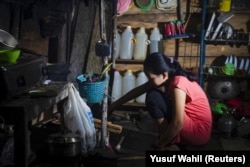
93 92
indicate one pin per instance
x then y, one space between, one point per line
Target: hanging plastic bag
79 119
7 155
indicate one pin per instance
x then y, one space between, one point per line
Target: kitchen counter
22 109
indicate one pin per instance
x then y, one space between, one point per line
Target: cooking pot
64 144
223 89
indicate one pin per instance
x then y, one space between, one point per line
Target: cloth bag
79 119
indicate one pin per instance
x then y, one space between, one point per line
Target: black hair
157 63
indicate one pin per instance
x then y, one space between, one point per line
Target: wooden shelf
131 107
136 18
123 61
166 37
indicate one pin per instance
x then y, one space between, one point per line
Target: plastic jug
141 79
155 37
127 43
128 83
117 86
117 44
141 43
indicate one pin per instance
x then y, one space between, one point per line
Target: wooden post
104 131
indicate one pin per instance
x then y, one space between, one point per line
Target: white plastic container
117 45
127 44
141 79
128 83
141 44
117 86
155 38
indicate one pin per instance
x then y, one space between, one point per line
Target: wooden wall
188 51
83 53
28 33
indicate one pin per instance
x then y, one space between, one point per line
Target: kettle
227 123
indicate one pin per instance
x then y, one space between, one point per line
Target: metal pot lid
223 89
7 39
64 137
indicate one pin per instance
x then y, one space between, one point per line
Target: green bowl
9 56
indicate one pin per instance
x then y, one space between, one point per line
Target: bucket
93 92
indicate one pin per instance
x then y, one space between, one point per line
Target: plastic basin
9 56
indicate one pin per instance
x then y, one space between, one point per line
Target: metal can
225 5
168 29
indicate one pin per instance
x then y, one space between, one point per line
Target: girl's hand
158 146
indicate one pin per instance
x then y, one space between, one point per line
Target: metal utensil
210 25
7 40
118 146
226 31
227 60
234 60
241 64
246 65
224 17
230 59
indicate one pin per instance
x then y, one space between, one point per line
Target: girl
181 109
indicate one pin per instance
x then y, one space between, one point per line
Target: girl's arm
174 127
131 95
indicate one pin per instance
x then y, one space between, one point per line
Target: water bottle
141 79
117 45
155 37
117 86
141 43
127 44
128 83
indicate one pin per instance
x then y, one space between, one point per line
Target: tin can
173 27
168 29
225 5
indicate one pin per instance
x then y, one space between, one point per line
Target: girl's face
158 80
